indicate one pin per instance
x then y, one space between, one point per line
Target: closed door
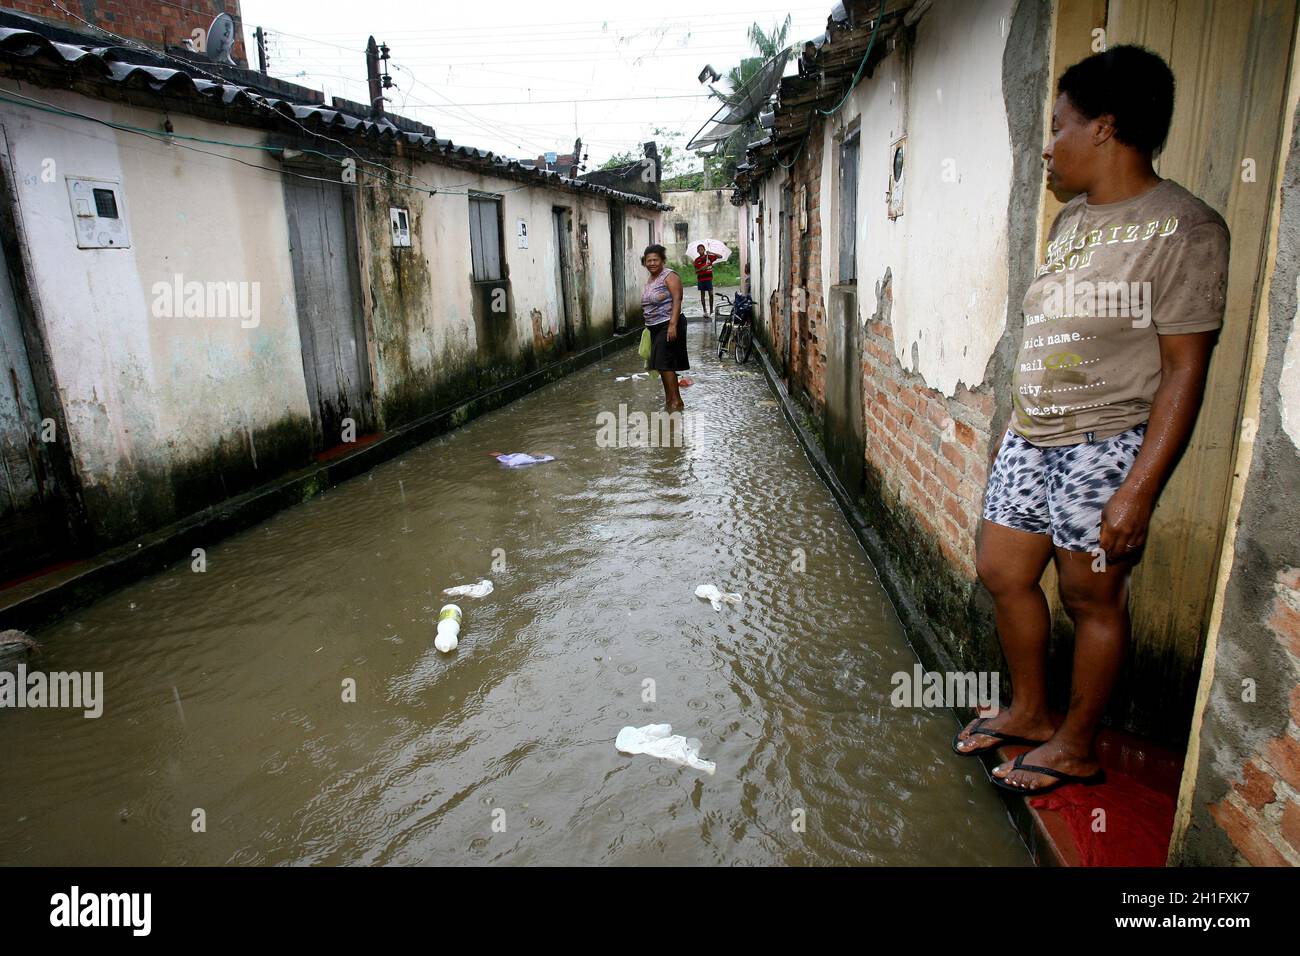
331 322
618 256
564 266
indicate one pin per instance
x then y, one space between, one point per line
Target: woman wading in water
1105 392
661 300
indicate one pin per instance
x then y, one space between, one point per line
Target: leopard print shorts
1059 490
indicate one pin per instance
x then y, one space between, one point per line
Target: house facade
893 216
214 278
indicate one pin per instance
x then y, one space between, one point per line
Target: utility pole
260 34
375 53
577 158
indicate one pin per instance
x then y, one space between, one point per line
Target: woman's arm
1184 362
674 283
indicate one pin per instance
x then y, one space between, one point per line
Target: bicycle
737 320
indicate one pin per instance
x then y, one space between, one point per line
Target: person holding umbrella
704 275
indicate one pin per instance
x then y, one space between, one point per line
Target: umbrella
715 246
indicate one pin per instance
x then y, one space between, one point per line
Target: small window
681 228
106 204
485 237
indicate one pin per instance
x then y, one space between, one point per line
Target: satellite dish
221 39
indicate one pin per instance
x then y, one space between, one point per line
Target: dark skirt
668 356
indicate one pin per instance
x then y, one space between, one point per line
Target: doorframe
353 228
32 323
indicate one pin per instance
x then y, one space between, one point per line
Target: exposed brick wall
1261 813
929 451
152 22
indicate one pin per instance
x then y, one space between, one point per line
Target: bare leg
672 394
1010 564
1097 602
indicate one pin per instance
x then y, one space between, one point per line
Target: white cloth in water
636 375
482 589
715 597
658 740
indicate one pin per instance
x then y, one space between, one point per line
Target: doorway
331 319
562 218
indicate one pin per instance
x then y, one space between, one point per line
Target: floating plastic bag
519 459
658 740
715 597
482 589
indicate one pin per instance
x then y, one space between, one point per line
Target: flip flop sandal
1062 779
1002 738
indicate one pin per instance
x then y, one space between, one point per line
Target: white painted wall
948 251
138 388
146 391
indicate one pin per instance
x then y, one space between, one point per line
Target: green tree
625 158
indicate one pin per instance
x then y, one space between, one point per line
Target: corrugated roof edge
106 64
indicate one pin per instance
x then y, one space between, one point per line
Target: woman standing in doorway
1105 392
661 300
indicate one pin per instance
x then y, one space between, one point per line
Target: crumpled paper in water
482 589
715 597
658 740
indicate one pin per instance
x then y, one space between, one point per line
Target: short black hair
1130 83
657 250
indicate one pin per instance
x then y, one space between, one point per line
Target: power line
811 11
598 99
254 98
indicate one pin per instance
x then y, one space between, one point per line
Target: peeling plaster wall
937 300
165 414
948 251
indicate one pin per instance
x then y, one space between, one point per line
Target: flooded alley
224 690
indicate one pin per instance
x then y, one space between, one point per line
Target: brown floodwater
224 690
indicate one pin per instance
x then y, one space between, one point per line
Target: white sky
478 72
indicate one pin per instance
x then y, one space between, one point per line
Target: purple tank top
657 299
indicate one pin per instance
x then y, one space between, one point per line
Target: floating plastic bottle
448 628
